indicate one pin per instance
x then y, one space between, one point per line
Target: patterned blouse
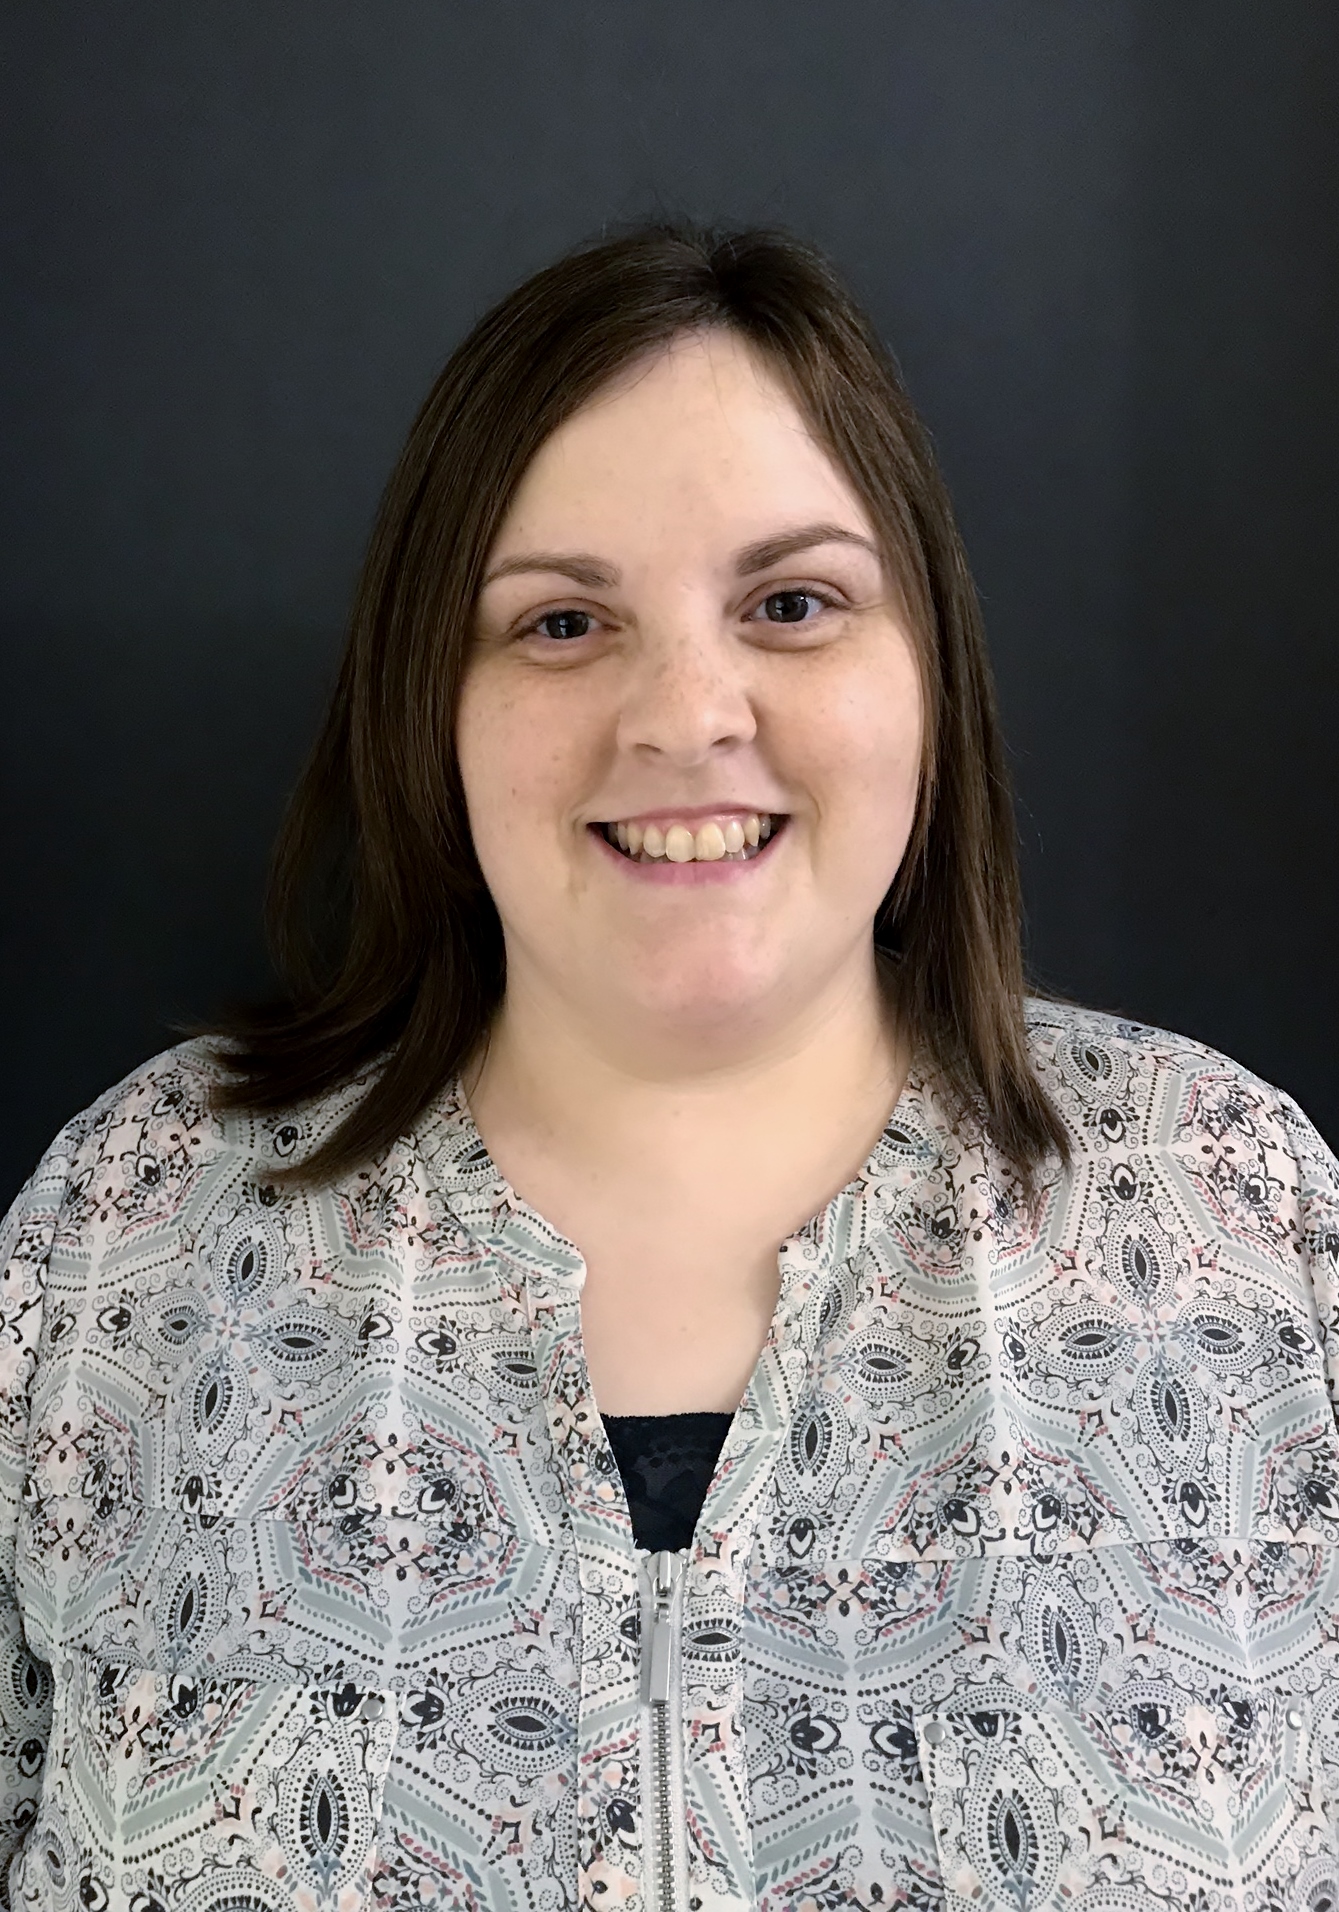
1016 1586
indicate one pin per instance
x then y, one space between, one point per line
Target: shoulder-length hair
383 928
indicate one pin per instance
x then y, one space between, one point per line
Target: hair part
385 936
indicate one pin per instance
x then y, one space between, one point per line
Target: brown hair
384 931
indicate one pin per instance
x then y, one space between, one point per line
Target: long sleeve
26 1238
1318 1191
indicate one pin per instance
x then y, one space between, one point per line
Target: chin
702 995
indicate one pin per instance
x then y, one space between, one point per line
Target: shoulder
135 1158
1102 1070
1130 1092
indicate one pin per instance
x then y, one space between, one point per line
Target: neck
680 1106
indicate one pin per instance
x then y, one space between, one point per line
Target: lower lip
723 870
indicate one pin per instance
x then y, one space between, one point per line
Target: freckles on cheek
518 783
852 741
490 734
860 754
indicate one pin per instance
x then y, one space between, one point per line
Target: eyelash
827 599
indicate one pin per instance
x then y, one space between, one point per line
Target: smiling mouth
734 840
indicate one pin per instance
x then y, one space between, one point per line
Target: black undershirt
667 1461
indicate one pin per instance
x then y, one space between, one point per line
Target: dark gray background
240 238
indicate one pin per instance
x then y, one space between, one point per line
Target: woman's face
690 728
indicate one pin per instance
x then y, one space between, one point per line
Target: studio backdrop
1102 237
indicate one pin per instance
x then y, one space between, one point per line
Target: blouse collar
910 1146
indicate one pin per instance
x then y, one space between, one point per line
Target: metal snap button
934 1731
372 1707
1294 1717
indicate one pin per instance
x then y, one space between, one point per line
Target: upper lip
690 813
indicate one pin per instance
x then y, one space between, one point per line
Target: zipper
666 1862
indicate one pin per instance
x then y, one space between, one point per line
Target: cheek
865 742
494 772
517 765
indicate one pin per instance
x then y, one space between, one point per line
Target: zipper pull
666 1572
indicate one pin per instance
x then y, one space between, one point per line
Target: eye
563 626
790 607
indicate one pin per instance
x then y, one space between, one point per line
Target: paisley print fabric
1016 1587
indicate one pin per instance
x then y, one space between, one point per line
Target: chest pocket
1037 1810
205 1793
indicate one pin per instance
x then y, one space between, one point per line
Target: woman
656 1378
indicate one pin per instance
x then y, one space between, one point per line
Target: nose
686 696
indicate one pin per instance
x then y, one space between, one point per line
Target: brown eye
564 625
787 607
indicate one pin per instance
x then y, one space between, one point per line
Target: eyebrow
593 572
577 565
770 551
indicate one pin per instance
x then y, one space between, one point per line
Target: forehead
702 433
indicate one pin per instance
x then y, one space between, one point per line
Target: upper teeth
678 843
